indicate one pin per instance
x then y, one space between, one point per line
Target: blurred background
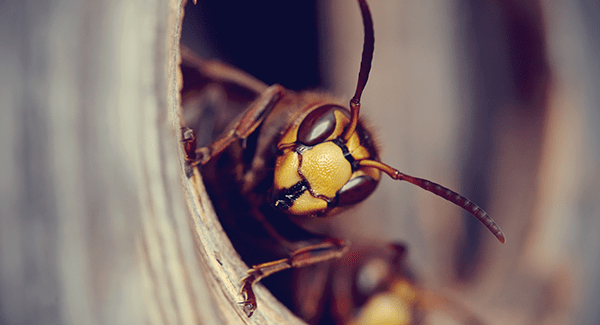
497 100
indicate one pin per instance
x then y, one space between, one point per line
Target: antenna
365 68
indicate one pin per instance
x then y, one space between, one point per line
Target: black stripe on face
284 199
340 143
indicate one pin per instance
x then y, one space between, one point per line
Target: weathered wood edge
220 264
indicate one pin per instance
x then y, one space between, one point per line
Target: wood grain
98 224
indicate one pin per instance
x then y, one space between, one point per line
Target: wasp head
317 169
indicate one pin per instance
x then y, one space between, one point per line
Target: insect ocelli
287 153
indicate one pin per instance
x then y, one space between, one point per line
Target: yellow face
316 170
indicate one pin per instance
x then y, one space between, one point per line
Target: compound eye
356 190
317 126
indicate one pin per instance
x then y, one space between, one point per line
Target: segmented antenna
363 76
441 191
365 68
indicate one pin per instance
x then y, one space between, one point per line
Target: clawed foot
193 155
327 249
249 303
248 307
202 156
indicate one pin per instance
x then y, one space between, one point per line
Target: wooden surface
98 224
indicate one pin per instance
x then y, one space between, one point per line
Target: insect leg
328 248
219 72
241 128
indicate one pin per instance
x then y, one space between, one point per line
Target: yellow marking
340 123
290 136
404 289
325 169
286 170
306 204
385 308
